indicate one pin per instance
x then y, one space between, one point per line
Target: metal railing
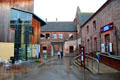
92 63
76 57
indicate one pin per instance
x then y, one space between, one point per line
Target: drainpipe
91 42
100 40
116 40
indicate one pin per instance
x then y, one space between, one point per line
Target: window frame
94 24
71 37
60 36
87 29
54 36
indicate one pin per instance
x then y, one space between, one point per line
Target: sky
64 10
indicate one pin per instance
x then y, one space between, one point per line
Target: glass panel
21 22
60 36
55 36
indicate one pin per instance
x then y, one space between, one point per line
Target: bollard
45 56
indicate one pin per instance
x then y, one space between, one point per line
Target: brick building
80 19
58 36
101 31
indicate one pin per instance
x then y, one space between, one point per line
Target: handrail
93 59
76 57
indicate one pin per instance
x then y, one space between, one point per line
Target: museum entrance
57 46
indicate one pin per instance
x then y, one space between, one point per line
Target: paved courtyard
59 69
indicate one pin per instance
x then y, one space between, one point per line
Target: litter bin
12 59
45 56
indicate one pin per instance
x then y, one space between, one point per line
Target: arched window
94 25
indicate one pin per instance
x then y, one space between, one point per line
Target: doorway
71 49
57 46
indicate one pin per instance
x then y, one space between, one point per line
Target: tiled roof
84 17
59 27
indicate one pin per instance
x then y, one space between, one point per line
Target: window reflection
21 21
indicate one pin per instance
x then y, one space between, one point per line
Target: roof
100 9
84 17
38 18
34 15
59 27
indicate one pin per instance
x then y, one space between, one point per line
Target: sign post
82 52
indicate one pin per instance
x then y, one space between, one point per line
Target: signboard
102 48
107 27
98 56
82 56
37 52
110 44
82 52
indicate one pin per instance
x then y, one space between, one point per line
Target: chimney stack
56 19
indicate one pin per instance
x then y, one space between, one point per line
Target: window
42 35
55 36
47 36
31 30
88 45
71 36
95 44
94 25
60 36
71 49
87 29
44 48
107 41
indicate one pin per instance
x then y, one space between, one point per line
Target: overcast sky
64 10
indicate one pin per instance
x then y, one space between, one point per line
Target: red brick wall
47 42
65 36
105 16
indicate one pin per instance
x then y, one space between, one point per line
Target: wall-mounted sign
107 27
37 51
110 47
102 48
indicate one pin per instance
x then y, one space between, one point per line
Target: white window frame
55 36
70 35
61 36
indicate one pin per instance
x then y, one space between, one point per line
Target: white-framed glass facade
22 23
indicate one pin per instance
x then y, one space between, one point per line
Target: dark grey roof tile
84 17
59 27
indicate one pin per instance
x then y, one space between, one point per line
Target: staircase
77 61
